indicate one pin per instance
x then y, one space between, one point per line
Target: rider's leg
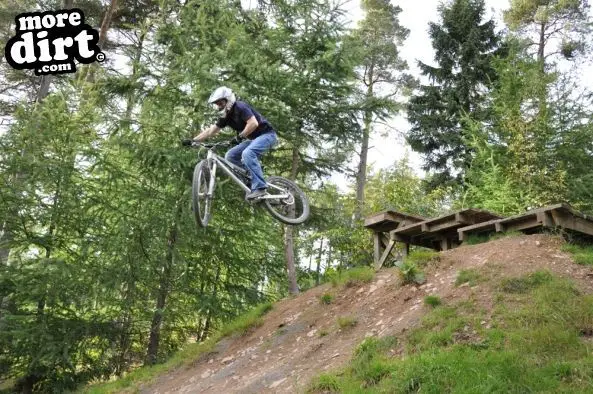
250 156
234 154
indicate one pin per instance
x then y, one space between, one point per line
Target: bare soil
301 338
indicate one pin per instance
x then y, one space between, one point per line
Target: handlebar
196 144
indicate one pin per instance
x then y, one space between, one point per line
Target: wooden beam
529 223
572 222
499 227
386 253
463 218
545 218
443 226
445 243
378 247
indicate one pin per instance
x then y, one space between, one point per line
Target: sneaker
256 194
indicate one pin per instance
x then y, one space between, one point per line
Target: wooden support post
406 252
378 247
498 227
546 219
386 254
445 244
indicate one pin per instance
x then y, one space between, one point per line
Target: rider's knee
248 155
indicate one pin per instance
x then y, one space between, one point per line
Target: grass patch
580 254
541 349
525 283
346 321
323 333
475 239
354 277
324 383
243 324
422 257
433 301
326 299
470 276
191 352
410 273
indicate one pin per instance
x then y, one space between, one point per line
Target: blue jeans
248 152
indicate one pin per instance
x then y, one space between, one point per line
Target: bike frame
214 161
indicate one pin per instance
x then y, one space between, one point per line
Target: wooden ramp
449 231
558 215
381 224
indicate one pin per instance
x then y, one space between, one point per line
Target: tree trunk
319 263
208 322
164 288
293 287
361 175
541 48
102 36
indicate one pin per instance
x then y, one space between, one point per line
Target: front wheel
201 201
291 210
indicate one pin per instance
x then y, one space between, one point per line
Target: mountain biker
255 135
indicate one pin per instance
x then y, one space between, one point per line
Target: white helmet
223 93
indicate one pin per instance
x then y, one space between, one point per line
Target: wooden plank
546 219
385 218
527 224
412 229
463 218
444 226
376 218
386 253
478 226
572 222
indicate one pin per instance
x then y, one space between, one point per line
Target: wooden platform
449 231
440 233
558 215
381 224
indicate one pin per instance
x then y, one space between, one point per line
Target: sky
415 16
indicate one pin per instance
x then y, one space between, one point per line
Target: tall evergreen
381 74
464 46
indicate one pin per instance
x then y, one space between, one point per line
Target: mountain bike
285 201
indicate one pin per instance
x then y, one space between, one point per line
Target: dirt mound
301 337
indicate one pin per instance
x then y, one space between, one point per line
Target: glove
237 140
186 142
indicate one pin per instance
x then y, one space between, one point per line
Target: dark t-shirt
236 119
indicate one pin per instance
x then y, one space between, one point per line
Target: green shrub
347 321
433 301
470 276
326 298
410 273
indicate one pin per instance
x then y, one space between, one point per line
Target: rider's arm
209 132
250 127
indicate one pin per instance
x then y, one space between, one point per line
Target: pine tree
382 74
464 48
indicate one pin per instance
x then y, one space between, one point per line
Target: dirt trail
301 339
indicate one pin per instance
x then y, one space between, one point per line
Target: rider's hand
186 142
237 140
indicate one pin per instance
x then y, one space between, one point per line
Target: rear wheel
291 210
201 201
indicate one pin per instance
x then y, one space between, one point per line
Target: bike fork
212 180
